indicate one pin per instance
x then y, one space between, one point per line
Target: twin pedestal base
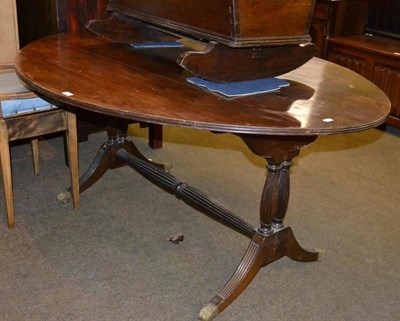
262 250
269 242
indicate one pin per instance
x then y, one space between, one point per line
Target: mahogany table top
119 80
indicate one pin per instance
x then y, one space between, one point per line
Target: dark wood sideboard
363 35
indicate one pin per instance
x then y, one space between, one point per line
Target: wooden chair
23 115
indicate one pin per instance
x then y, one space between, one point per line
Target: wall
9 44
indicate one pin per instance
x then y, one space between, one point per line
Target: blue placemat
12 107
241 88
160 44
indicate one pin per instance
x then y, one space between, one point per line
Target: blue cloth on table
12 107
241 88
160 44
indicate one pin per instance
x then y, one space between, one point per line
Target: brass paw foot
321 254
208 313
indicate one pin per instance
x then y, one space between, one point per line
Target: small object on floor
64 197
176 238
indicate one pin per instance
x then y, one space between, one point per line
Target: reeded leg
272 240
94 172
263 250
100 164
275 196
248 268
106 157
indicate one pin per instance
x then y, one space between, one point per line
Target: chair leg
6 172
35 154
72 146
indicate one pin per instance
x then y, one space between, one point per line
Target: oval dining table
82 71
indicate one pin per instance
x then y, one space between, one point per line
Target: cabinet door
387 77
36 19
382 70
352 59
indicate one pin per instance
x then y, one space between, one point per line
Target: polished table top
145 85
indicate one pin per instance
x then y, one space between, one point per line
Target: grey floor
111 260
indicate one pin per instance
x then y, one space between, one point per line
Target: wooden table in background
85 72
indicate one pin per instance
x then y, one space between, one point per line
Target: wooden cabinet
38 19
349 33
377 58
336 18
